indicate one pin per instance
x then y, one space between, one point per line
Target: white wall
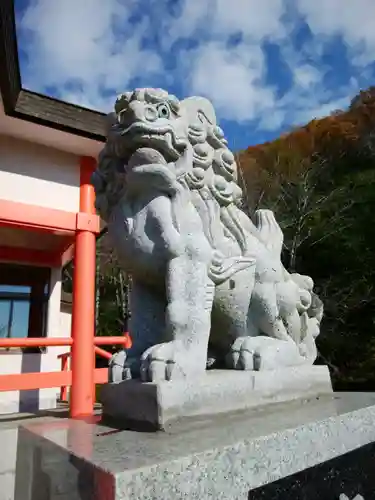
37 175
58 325
66 319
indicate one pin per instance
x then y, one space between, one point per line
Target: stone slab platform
135 405
319 448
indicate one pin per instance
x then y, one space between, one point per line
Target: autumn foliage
342 141
320 181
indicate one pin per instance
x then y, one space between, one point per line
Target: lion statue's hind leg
230 311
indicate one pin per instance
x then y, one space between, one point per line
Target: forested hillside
320 181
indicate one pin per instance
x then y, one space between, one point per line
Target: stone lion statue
207 282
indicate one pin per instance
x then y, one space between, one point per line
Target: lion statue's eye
163 111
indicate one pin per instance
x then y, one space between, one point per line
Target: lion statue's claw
117 367
262 353
166 361
241 355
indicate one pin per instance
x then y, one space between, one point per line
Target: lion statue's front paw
118 367
262 353
171 361
242 355
158 363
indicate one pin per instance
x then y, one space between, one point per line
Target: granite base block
347 477
320 448
134 405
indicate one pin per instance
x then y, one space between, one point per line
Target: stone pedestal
312 449
134 405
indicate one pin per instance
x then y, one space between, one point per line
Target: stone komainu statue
203 273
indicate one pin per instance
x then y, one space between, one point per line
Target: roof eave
33 107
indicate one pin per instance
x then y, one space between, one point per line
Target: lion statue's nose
135 112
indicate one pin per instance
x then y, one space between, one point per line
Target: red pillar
83 314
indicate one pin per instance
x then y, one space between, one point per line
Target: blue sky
267 65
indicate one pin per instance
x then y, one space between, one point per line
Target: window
24 293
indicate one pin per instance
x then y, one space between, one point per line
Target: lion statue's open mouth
161 140
148 119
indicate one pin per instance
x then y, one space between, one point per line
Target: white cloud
305 76
91 50
73 45
272 120
353 20
254 19
194 15
232 75
232 78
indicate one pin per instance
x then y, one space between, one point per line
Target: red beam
45 380
58 341
23 215
27 255
36 342
67 254
100 352
38 380
124 339
101 375
103 353
26 216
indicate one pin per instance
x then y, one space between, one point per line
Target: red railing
44 380
101 374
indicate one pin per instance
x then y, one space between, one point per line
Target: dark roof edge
32 106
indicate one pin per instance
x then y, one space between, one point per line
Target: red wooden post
83 314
